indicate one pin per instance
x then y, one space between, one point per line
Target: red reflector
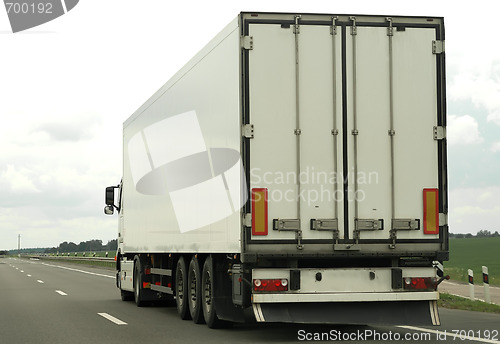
147 271
259 212
270 284
158 283
431 211
146 285
169 285
115 258
419 283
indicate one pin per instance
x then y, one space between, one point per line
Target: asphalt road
44 302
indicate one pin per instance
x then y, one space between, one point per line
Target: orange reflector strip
259 212
431 211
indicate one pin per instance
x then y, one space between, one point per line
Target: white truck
293 171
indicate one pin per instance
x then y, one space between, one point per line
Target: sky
67 86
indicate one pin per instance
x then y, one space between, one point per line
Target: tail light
419 283
270 284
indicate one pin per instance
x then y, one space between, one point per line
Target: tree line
68 247
481 234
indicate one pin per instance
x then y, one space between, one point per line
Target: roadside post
486 284
471 284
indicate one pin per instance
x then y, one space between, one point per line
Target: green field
457 302
473 253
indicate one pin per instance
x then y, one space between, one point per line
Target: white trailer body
306 151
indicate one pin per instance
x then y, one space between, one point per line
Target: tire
138 292
181 289
207 299
194 293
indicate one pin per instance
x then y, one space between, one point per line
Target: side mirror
109 210
110 195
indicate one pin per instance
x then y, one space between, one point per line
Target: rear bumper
346 297
424 313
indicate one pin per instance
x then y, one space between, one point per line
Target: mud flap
355 313
224 306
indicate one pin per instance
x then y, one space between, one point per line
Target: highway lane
34 312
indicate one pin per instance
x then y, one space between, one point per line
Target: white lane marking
22 271
448 334
61 292
17 268
40 281
28 275
81 271
112 319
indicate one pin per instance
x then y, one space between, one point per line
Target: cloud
495 147
480 83
79 126
463 130
18 180
64 131
473 209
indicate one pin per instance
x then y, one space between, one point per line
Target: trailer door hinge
325 225
247 220
439 133
247 42
443 219
368 224
405 224
286 225
354 30
247 131
296 26
437 47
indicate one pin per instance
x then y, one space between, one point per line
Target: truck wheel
207 299
138 297
181 289
194 295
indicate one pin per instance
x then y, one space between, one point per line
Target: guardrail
96 261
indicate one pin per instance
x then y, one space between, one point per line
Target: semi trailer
294 170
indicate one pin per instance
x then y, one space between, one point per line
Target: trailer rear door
348 140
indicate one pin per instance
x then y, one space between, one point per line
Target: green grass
473 253
456 302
